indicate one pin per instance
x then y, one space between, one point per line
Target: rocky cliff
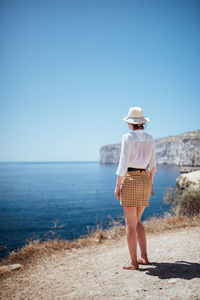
190 180
182 150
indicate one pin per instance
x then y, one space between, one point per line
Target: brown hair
138 126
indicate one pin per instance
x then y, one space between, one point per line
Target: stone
8 268
191 180
110 154
172 280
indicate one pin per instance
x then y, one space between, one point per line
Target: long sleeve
152 162
123 161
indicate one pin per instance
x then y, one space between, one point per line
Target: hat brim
139 121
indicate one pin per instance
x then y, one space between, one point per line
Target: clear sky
70 70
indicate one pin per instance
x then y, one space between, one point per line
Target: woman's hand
117 188
152 193
151 177
117 192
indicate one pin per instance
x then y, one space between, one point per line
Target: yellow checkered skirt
135 189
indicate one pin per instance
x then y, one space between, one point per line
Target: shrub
184 202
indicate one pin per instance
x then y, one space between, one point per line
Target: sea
65 199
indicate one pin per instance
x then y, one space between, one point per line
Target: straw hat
135 116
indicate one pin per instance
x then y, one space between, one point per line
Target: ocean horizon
78 196
44 162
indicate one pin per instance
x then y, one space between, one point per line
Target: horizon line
50 161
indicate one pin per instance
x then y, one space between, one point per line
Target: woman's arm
152 174
122 166
151 178
123 160
117 188
152 165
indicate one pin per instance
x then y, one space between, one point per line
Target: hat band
135 117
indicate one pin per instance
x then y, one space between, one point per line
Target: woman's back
137 151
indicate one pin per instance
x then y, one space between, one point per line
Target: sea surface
77 196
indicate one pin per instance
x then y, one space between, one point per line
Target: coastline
41 194
153 225
91 268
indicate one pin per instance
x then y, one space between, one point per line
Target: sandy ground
96 272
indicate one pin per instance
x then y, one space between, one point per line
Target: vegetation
185 201
36 248
184 205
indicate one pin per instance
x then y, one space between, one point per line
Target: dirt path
96 272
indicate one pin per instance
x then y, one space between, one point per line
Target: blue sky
70 70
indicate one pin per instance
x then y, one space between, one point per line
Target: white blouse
137 151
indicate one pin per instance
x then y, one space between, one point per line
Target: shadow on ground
179 269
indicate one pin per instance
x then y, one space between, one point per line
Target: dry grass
36 248
170 222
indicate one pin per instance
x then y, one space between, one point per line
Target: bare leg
141 235
131 224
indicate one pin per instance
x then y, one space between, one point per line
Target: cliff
191 180
182 150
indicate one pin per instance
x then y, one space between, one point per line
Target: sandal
129 266
142 261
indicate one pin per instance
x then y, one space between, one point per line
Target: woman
136 182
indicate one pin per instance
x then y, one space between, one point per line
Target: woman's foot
131 266
143 261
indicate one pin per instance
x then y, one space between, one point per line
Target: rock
191 180
110 154
172 280
8 268
187 200
187 169
182 150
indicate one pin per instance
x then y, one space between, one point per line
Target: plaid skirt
135 189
